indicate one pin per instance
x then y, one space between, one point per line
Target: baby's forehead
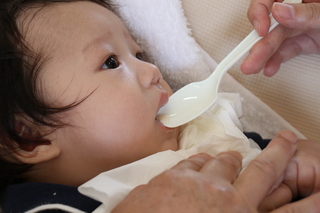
39 23
38 15
46 27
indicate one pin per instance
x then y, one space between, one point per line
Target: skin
94 56
298 33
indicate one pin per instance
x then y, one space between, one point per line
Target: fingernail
282 10
290 136
256 26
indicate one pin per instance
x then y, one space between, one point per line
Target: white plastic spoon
193 99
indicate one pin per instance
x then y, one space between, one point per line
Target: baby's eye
111 63
140 56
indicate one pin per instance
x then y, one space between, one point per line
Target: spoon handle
241 49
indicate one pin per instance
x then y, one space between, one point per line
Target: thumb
308 204
297 16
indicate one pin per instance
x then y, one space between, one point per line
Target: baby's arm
302 177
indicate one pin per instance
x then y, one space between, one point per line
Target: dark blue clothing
27 196
258 139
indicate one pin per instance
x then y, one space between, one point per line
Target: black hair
19 68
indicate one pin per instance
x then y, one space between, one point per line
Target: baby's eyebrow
94 43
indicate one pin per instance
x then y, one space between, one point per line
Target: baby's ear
32 148
40 153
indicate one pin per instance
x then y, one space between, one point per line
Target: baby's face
89 53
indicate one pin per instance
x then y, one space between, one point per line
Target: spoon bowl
193 99
183 108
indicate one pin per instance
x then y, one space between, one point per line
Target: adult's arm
213 184
298 33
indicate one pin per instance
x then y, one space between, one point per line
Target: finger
290 48
290 178
297 16
279 197
223 167
267 168
308 169
258 15
309 204
273 64
263 50
195 162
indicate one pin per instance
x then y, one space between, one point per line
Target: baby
78 99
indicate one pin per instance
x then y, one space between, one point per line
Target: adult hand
302 179
211 184
298 33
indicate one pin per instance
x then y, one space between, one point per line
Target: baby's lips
164 96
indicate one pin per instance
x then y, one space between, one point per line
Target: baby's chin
173 143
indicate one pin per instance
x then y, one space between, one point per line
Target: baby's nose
148 74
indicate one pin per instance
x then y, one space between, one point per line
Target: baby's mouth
164 98
160 117
157 119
